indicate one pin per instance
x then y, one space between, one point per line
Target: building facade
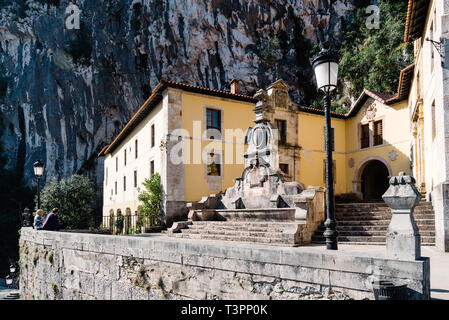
194 138
427 26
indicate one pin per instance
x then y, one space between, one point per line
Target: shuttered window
378 133
364 136
213 119
152 135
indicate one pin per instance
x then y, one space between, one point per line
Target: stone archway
371 178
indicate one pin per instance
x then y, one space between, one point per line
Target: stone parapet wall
59 265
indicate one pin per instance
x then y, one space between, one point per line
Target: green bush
119 222
151 199
73 197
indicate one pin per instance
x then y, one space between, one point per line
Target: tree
73 197
152 198
373 58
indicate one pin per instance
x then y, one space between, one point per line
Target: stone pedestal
403 239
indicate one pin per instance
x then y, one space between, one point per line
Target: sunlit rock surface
65 93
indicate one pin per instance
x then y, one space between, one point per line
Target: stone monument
403 239
261 194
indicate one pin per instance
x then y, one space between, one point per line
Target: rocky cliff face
65 93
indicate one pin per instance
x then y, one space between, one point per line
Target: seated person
38 221
51 221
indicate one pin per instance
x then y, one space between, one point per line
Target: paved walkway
439 266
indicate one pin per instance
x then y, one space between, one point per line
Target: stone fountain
261 198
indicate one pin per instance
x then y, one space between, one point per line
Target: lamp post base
331 239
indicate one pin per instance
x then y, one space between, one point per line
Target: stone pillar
403 239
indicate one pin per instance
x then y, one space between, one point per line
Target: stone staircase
262 232
367 223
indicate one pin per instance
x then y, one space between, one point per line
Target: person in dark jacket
51 221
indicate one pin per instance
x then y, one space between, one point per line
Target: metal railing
129 224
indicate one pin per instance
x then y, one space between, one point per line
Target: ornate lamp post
325 65
11 278
38 172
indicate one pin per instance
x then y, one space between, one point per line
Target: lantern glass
8 280
38 169
12 269
326 74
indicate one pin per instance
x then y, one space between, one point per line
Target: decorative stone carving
281 99
351 163
370 111
393 155
403 239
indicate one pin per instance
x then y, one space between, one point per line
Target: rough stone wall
58 265
64 93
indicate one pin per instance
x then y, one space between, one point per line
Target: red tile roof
156 97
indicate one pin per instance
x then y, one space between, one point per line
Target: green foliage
151 198
271 49
119 223
73 197
372 58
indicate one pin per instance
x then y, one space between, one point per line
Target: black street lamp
325 65
38 172
12 277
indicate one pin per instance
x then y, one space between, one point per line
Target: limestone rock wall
58 265
65 93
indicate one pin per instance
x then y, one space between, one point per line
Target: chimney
235 86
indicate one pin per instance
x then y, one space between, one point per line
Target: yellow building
194 137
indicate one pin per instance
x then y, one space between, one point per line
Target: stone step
366 243
372 228
380 215
380 222
264 240
429 240
381 233
258 224
236 233
236 228
382 210
377 204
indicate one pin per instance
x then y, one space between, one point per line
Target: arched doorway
374 180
